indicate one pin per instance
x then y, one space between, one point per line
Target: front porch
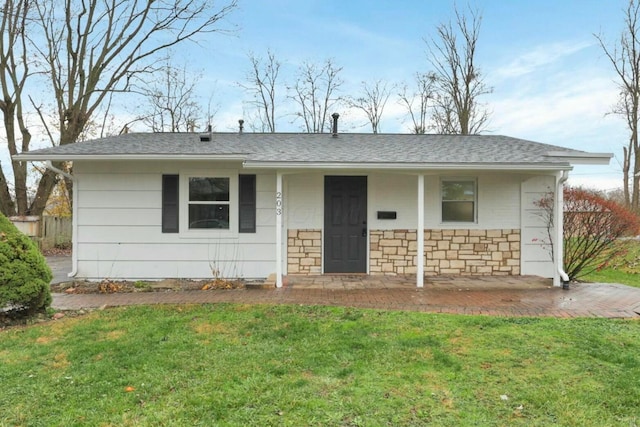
397 223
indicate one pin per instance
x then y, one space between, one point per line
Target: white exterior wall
536 251
304 201
119 232
393 192
498 201
120 204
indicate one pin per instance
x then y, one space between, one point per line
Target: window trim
474 180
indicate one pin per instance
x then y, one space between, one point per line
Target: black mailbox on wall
387 215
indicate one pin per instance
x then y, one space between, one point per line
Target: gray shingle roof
317 148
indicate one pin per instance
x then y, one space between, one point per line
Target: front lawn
295 365
623 268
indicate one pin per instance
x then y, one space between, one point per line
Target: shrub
24 273
592 224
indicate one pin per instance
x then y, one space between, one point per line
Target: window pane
209 216
209 189
458 211
458 190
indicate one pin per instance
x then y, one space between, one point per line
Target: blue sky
550 78
551 82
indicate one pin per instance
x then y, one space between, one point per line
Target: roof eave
249 164
75 157
582 158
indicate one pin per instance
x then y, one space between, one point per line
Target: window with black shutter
247 204
170 203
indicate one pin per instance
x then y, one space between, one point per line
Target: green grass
243 365
623 268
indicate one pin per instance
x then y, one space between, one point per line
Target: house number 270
278 203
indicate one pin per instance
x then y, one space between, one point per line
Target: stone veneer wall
456 252
392 251
304 251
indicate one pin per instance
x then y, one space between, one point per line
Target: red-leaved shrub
592 224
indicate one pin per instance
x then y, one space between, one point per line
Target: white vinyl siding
536 251
120 225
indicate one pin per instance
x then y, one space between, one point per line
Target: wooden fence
55 232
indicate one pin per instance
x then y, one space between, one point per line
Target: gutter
562 278
74 232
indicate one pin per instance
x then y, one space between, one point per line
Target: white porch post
559 275
420 234
279 215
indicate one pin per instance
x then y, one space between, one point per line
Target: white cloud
569 109
539 56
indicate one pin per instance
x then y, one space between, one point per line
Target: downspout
74 232
562 278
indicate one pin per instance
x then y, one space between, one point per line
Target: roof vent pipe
241 128
335 124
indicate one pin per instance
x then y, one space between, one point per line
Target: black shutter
247 208
170 203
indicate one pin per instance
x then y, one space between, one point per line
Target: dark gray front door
345 224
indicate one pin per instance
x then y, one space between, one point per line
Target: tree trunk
634 158
69 134
635 179
625 170
7 206
45 187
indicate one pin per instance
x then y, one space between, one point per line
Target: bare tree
314 92
172 101
262 84
372 101
418 102
625 58
14 72
90 49
459 82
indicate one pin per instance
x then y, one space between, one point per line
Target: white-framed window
209 202
459 199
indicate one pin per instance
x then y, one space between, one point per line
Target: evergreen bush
24 273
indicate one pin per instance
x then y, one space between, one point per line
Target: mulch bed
167 285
